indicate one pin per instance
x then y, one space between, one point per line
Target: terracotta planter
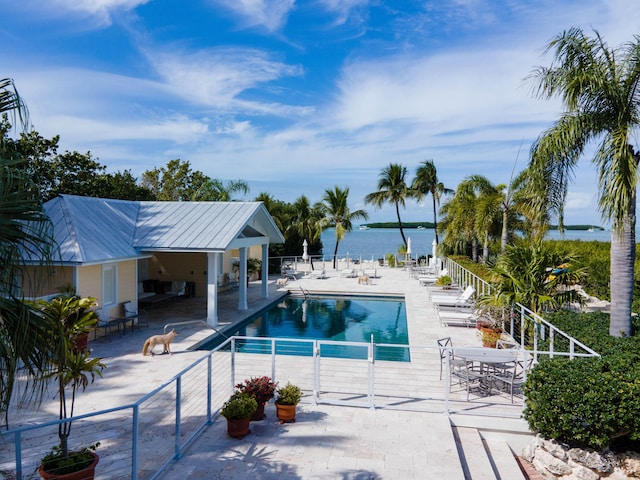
80 342
86 473
238 427
490 336
259 415
286 413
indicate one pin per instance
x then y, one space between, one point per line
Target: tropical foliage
534 274
25 233
63 320
599 90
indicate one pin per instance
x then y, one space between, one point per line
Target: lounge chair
370 272
465 299
348 272
317 274
430 279
456 317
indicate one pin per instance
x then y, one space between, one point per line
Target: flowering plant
262 388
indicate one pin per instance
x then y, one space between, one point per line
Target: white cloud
270 14
94 13
218 77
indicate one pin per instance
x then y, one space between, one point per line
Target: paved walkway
326 441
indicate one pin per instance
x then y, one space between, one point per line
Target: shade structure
305 255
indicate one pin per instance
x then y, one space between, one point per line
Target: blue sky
299 96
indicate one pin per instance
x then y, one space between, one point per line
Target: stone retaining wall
557 461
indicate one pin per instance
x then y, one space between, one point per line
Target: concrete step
503 460
473 455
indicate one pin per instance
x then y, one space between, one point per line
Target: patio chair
513 377
104 322
138 318
462 300
468 376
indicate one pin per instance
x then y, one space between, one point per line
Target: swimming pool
340 318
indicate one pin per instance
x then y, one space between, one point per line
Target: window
109 275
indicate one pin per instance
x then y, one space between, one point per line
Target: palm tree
306 220
335 208
426 182
392 188
599 88
458 223
523 276
25 233
214 190
473 215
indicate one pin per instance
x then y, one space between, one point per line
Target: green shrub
587 402
240 405
289 394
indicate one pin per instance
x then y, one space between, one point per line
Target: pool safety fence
140 440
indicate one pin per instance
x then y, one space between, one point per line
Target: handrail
539 325
187 322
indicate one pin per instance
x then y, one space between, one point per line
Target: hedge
587 402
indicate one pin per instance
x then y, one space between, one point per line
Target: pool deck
326 441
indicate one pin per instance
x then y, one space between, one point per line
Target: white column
242 292
265 270
212 288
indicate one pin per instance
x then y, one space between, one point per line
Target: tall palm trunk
335 254
504 239
623 255
435 220
400 224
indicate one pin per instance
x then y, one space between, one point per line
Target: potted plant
262 389
238 411
444 281
65 318
490 325
254 268
288 398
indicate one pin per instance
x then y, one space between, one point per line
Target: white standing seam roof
92 230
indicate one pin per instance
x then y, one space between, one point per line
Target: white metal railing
527 328
184 406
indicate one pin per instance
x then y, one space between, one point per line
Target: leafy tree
392 188
214 190
426 182
174 182
71 172
335 207
599 90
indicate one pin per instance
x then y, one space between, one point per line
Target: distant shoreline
421 225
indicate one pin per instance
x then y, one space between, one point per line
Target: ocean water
376 242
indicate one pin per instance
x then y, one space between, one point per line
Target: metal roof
92 230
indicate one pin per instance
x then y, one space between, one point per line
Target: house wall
42 281
187 267
90 282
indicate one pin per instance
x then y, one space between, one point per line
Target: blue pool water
342 319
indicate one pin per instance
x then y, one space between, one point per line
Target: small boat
363 227
420 227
